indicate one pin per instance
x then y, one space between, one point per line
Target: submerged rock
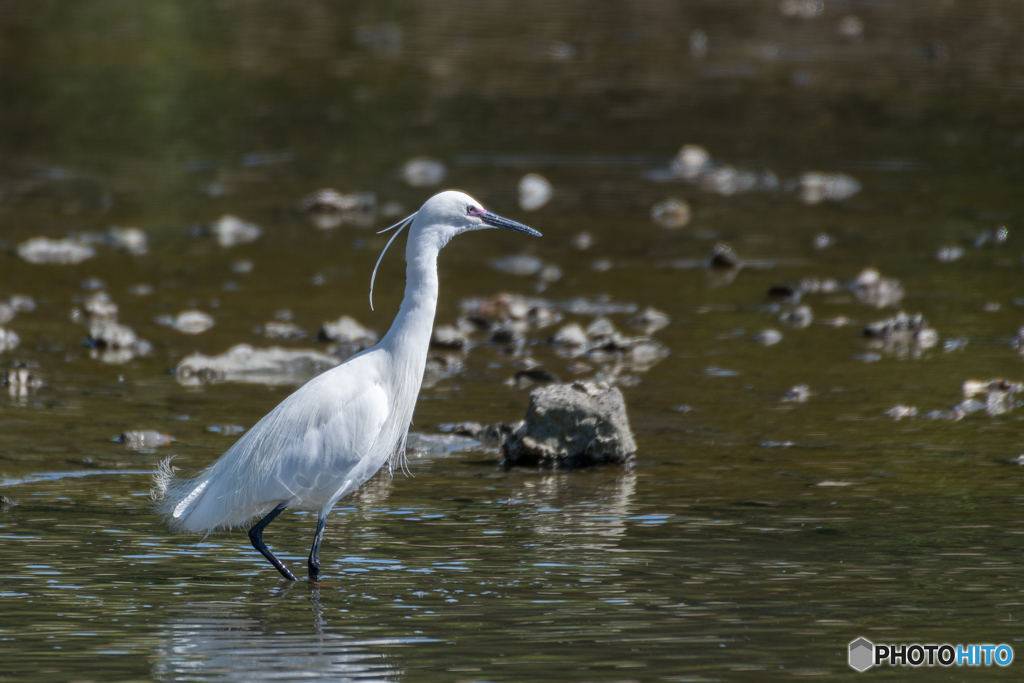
768 337
518 264
22 303
244 363
492 435
110 341
423 172
871 288
113 342
441 365
572 425
329 208
949 254
531 377
899 412
583 241
41 250
226 430
997 396
815 188
348 330
799 317
347 336
650 320
691 162
231 230
132 240
537 313
188 322
277 329
448 337
723 256
798 394
671 213
144 439
571 335
100 305
20 381
902 333
534 192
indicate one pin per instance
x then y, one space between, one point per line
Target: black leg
256 536
314 553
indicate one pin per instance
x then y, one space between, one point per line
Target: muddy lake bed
797 484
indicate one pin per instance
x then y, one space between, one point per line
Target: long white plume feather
401 225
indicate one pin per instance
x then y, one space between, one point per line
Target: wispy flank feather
401 225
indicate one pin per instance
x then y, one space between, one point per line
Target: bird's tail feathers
163 478
173 496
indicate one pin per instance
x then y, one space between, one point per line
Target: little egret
334 433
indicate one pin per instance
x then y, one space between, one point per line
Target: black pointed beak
497 221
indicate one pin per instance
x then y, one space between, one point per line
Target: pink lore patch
473 211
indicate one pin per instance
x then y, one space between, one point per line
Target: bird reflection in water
269 640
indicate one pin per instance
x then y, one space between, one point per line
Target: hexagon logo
862 654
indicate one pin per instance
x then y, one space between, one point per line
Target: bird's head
450 213
441 218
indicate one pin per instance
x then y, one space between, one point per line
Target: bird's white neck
408 339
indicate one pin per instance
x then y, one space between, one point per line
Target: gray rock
188 322
20 381
448 337
231 230
572 425
571 335
144 439
347 329
226 430
491 436
283 330
132 240
799 317
243 363
534 192
650 321
40 250
768 337
518 264
423 172
100 305
349 337
329 208
671 213
873 289
22 303
723 256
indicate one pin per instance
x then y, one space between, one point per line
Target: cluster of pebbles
693 164
516 325
109 340
993 397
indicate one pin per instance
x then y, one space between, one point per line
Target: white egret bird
334 433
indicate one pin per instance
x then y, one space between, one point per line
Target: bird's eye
475 211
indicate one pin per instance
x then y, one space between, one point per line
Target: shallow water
754 537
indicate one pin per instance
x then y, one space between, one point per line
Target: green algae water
785 499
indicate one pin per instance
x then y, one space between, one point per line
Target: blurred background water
786 497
